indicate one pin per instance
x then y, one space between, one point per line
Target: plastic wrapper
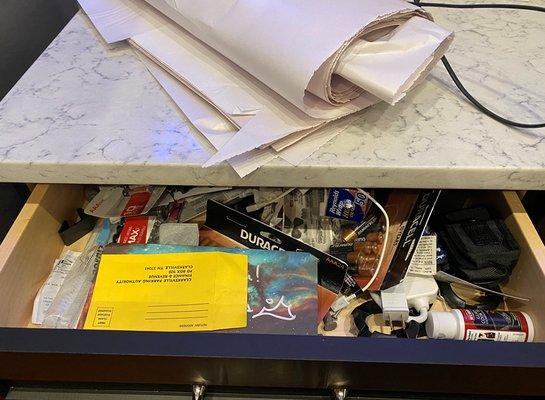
304 218
52 285
137 230
66 308
123 201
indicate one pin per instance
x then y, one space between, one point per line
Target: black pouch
481 249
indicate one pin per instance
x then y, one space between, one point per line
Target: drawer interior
28 252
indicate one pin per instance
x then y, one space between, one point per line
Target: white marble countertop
89 113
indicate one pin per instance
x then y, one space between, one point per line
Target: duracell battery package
408 236
222 220
408 213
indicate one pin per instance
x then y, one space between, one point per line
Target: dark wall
12 199
26 28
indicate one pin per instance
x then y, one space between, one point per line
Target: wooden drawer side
30 248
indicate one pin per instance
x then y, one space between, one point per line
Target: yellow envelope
170 292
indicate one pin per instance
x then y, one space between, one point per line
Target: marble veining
86 112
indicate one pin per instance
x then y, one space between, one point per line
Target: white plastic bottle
498 326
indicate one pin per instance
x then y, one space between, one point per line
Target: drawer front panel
28 354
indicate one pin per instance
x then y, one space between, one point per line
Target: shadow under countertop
26 29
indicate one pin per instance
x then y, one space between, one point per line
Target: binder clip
71 234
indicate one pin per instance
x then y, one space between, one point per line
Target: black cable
497 5
453 75
482 108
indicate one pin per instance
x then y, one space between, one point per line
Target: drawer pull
198 391
339 393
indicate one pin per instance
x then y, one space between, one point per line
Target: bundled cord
453 75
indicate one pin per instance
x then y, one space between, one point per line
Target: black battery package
409 235
255 234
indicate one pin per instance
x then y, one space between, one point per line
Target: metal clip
339 393
198 391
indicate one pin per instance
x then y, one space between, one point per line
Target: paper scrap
184 193
170 292
196 205
424 261
52 285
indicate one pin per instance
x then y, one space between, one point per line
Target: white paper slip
120 19
305 147
217 130
441 276
207 119
52 285
390 66
273 44
424 261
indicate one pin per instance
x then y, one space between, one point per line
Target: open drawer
31 354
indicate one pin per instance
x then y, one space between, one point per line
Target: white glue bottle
497 326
